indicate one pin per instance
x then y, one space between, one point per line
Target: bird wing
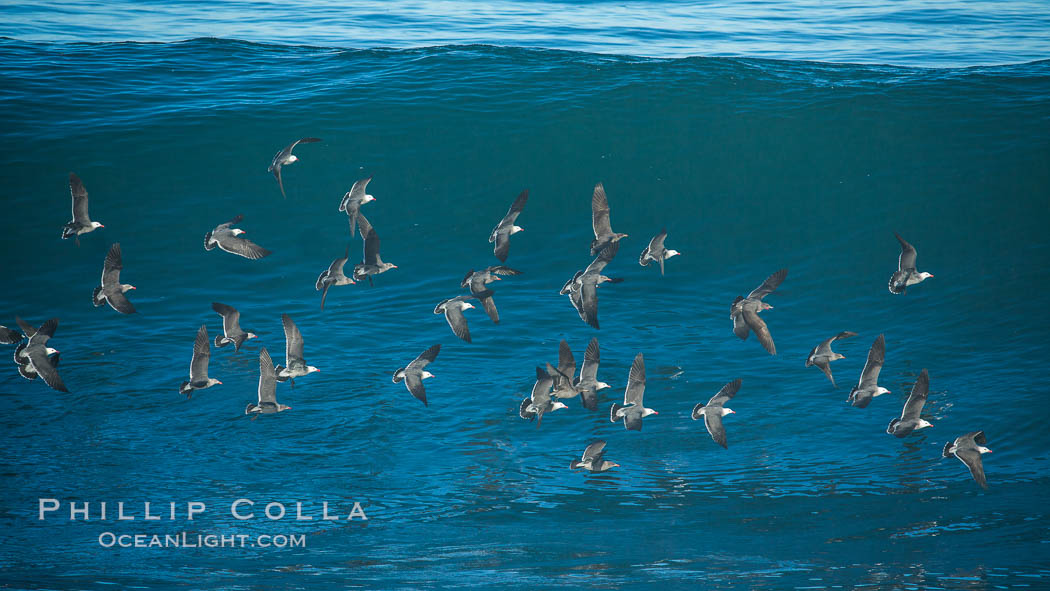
591 360
424 359
267 380
604 258
594 450
725 394
600 212
869 377
769 285
656 245
589 301
293 340
566 362
228 224
80 200
240 246
42 364
755 323
468 280
502 248
542 388
230 318
635 382
44 333
357 192
9 337
713 422
917 399
740 327
826 368
371 241
414 383
515 209
490 308
972 458
201 356
111 268
275 167
305 140
120 302
503 270
458 322
908 254
27 329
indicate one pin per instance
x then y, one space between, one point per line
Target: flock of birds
553 384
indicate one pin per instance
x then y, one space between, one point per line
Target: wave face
906 32
751 165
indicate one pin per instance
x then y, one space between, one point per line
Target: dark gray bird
910 420
453 309
588 384
112 291
285 157
868 387
81 222
353 200
35 358
744 312
199 379
593 459
231 327
603 234
333 275
582 289
229 239
715 409
633 411
415 373
267 388
540 402
822 355
564 385
295 366
968 448
477 281
656 251
9 337
372 263
906 274
501 233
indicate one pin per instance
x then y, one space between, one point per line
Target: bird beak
496 277
218 382
931 274
655 413
132 287
988 452
103 226
616 465
768 307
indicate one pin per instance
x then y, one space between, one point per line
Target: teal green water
751 165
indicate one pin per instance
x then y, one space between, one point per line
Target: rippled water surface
751 164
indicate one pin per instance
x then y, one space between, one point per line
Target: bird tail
68 231
94 296
696 411
399 375
589 399
26 372
221 341
207 241
278 371
575 464
251 408
18 350
947 450
644 259
524 411
184 388
615 408
893 423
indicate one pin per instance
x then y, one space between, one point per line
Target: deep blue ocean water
751 163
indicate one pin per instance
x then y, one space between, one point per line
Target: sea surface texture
791 154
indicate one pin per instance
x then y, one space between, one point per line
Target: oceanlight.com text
187 540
